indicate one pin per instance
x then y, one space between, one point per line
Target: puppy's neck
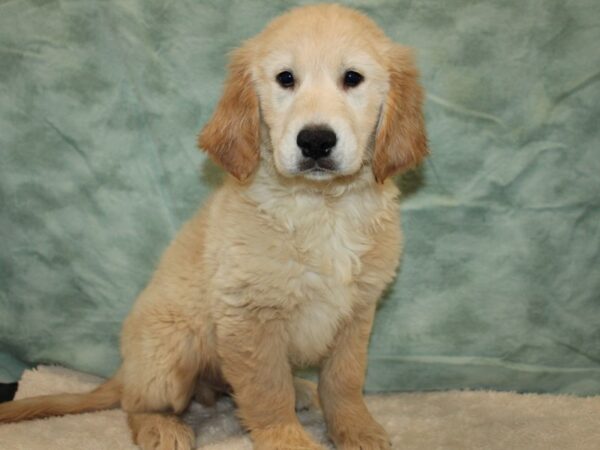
359 200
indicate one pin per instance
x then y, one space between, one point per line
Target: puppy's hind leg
155 396
162 359
307 396
160 431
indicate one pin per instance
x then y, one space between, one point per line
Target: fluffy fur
280 268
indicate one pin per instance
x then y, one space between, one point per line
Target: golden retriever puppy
284 264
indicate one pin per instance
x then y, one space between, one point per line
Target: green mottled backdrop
100 102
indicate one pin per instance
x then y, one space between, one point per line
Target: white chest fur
322 272
326 238
299 256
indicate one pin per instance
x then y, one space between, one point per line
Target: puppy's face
333 94
320 95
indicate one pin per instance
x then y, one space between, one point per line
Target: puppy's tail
105 396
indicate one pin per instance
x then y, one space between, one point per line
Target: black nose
316 142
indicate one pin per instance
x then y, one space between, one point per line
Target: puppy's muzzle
316 144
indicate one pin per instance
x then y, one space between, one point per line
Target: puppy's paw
286 437
366 436
158 432
181 438
306 394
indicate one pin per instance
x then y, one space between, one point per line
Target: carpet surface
416 421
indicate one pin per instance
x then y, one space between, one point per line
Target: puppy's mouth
317 168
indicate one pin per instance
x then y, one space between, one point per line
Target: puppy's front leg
254 361
341 380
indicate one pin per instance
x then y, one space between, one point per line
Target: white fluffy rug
428 421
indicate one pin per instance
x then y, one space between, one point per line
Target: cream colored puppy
284 265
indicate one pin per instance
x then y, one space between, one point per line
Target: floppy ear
232 135
401 141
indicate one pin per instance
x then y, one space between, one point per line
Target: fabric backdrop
100 103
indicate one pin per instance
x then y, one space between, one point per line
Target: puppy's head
334 93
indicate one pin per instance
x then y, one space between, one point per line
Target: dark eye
352 79
285 79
